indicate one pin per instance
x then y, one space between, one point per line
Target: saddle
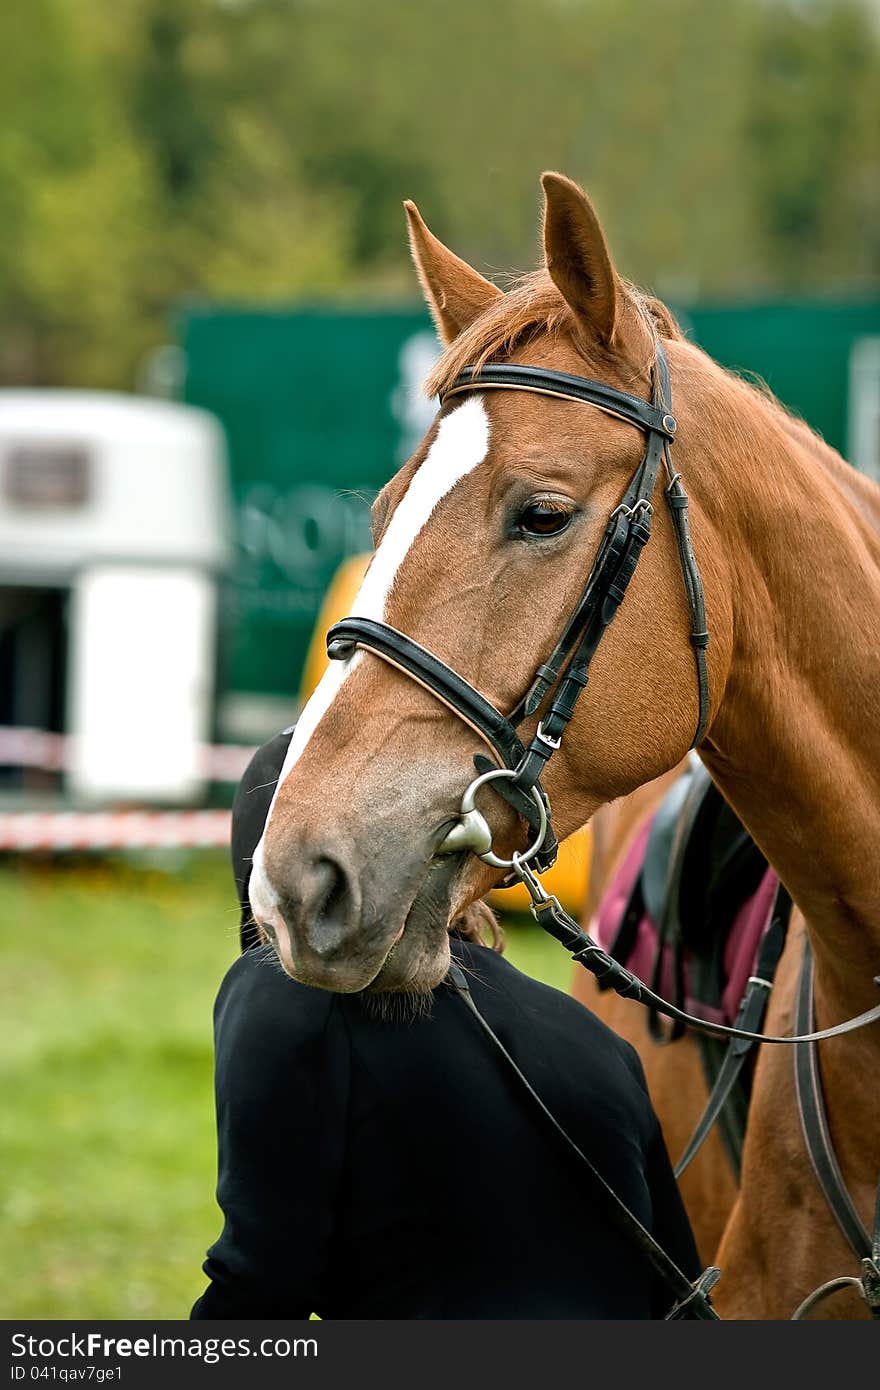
687 912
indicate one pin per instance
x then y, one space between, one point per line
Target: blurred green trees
155 151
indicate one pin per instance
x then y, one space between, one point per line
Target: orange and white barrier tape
53 831
224 762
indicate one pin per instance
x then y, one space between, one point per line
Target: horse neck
795 745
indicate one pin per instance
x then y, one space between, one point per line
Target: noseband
518 766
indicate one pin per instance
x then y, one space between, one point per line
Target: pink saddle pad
741 948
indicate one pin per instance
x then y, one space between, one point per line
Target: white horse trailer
113 535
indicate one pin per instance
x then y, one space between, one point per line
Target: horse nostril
332 897
320 907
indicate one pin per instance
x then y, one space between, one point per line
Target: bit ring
468 807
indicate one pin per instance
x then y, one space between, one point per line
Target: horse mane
533 307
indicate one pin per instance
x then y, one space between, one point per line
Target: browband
645 415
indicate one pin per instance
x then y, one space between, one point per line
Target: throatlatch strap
677 500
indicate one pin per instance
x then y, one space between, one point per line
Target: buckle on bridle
527 876
627 512
548 739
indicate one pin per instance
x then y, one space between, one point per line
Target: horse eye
542 519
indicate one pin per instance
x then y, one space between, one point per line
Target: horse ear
577 257
455 292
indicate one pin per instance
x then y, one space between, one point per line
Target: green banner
320 409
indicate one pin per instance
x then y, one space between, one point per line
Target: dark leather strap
664 838
628 531
605 565
677 500
507 377
669 931
691 1298
555 920
624 941
438 678
749 1019
814 1120
605 596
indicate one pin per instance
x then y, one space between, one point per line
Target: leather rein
517 766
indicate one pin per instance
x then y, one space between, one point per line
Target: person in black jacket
380 1161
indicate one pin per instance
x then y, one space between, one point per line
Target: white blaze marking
461 444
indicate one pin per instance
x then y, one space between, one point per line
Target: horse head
483 542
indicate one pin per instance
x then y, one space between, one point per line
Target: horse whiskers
268 955
403 1007
357 495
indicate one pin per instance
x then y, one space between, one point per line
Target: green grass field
107 978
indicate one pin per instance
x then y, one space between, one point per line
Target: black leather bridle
565 672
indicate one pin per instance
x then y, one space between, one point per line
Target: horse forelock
533 308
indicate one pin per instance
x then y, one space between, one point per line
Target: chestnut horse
484 539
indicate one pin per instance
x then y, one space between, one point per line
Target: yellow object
568 877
